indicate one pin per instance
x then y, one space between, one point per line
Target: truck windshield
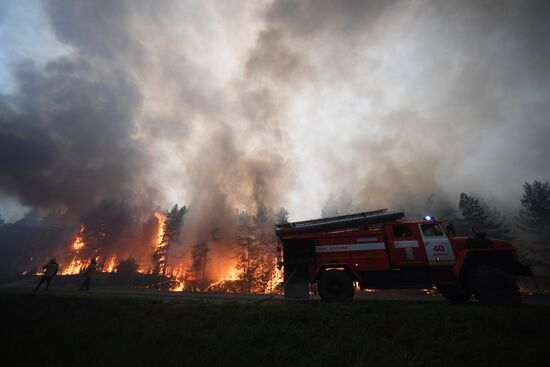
431 230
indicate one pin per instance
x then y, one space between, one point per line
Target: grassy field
49 330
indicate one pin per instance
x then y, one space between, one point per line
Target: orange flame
79 243
161 219
110 267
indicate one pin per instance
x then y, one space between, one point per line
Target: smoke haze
227 105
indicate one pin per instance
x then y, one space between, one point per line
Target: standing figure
50 270
90 270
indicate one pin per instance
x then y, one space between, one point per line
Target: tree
245 242
535 212
199 256
345 203
330 209
282 215
534 215
171 230
126 271
483 219
257 249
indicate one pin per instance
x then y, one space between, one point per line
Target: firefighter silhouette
50 270
90 270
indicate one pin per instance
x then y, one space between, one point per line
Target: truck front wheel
455 293
335 286
492 286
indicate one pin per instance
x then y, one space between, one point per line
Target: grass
96 331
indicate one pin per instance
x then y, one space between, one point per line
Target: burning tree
169 230
199 255
257 249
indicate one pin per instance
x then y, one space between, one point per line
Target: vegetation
171 229
257 250
534 215
49 330
482 218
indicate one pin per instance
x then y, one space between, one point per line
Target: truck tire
336 286
492 286
455 293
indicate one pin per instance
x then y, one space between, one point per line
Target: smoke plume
224 106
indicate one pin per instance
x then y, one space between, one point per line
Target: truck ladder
339 222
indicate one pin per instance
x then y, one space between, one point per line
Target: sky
226 105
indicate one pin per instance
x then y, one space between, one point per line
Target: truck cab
380 250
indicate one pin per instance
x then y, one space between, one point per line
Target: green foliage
482 218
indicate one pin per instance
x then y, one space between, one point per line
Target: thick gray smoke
411 98
231 105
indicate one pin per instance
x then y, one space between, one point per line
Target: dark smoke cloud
388 99
67 136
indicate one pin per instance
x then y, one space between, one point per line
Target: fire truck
381 250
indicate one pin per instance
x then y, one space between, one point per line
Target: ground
100 329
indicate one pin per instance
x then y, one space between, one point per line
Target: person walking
50 270
90 270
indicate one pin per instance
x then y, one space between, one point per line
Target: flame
76 266
161 219
179 286
111 265
79 243
277 278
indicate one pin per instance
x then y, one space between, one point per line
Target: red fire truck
380 250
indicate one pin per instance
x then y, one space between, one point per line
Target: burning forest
236 111
155 253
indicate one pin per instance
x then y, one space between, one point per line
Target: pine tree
330 209
535 212
281 216
534 215
345 203
171 230
483 219
257 249
199 255
245 242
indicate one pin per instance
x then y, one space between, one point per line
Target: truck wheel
455 293
335 286
492 286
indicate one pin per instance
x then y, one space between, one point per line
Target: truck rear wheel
492 286
455 293
336 286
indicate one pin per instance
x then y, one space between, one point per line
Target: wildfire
79 243
277 278
179 286
110 266
76 266
232 275
161 219
91 241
